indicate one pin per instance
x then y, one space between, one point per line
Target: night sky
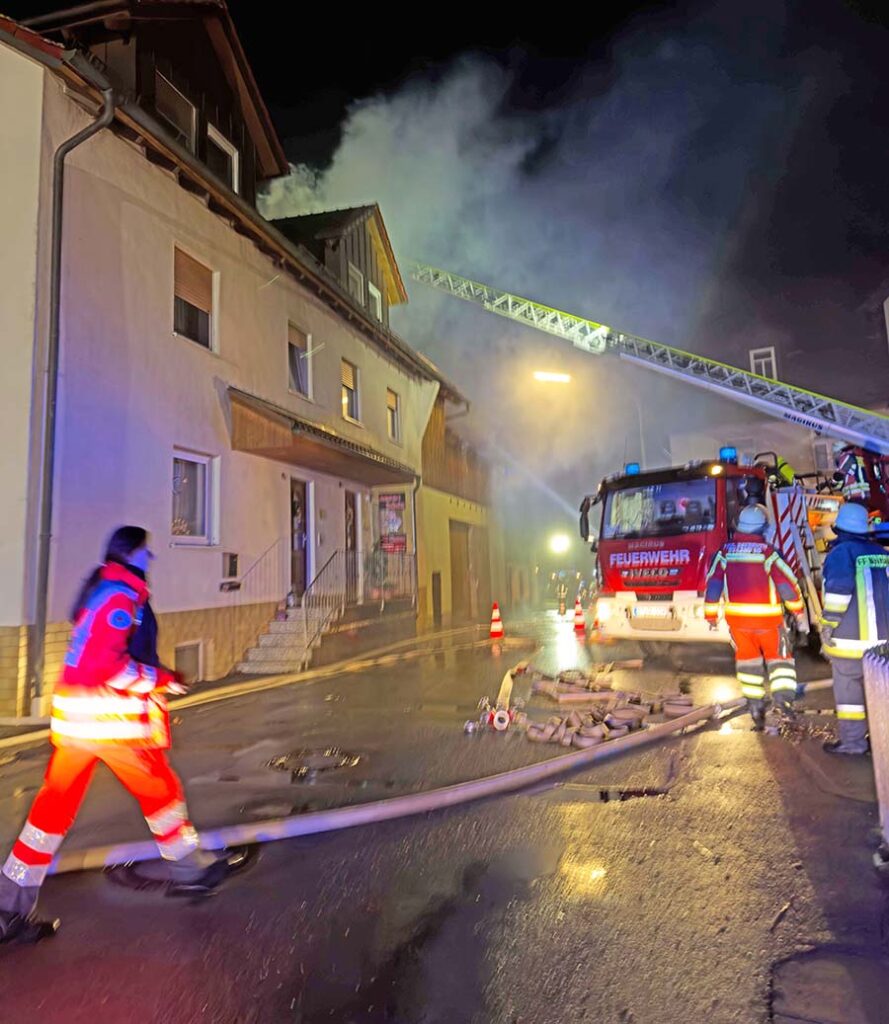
714 175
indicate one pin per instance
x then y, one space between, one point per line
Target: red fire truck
659 530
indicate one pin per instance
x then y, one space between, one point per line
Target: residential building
230 384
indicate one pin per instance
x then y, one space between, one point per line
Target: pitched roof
115 15
311 227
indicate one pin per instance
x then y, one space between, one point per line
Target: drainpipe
47 466
416 587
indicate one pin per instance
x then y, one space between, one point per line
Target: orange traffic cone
579 623
496 623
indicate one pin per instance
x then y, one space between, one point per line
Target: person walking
855 617
753 581
108 706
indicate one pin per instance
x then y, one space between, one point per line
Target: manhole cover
306 762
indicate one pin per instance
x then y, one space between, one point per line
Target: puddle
306 763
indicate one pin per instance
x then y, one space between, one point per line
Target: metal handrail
324 599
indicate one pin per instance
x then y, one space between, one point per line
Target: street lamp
559 543
550 377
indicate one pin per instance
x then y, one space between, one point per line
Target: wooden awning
262 428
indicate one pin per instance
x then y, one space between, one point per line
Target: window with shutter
297 360
356 283
349 381
192 298
393 415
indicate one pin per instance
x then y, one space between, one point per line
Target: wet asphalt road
551 906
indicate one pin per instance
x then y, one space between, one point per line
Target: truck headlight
603 610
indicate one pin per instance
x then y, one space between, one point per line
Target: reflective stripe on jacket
105 696
854 476
856 596
753 581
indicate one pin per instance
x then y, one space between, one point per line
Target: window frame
192 134
211 499
394 435
764 355
360 280
308 393
211 345
375 298
215 136
356 391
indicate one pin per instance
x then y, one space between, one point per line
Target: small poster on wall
392 533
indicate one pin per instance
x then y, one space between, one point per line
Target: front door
299 537
351 521
460 578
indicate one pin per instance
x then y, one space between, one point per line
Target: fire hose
394 807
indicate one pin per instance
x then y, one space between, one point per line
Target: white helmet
753 519
852 518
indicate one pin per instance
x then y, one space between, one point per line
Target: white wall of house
21 84
132 391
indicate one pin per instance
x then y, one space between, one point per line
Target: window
191 498
187 659
356 283
660 510
175 110
298 363
376 300
763 362
822 453
223 158
192 298
349 377
393 415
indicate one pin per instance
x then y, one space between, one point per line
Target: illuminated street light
552 378
559 543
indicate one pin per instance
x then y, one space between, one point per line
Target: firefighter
106 707
855 617
851 475
752 580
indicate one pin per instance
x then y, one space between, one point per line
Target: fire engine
660 528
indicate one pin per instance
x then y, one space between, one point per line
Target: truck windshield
660 510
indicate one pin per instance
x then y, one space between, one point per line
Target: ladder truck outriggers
659 529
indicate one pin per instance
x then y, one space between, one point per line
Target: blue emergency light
632 468
729 454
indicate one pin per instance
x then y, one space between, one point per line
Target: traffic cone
496 623
579 623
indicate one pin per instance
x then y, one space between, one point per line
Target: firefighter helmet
753 519
852 518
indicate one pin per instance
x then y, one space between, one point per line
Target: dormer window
223 158
356 284
175 110
376 300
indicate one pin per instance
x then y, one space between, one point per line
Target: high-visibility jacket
105 696
856 596
852 474
753 581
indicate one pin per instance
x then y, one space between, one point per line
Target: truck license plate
652 611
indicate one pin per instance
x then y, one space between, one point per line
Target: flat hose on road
394 807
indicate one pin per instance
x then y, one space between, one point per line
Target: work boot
758 714
15 929
184 882
837 747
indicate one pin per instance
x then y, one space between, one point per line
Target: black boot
837 747
758 714
18 930
214 875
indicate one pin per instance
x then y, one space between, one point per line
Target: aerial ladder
859 427
863 429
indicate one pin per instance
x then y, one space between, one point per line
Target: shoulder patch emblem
120 619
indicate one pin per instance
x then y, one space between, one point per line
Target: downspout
416 587
51 390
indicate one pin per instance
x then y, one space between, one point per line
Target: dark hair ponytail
121 544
